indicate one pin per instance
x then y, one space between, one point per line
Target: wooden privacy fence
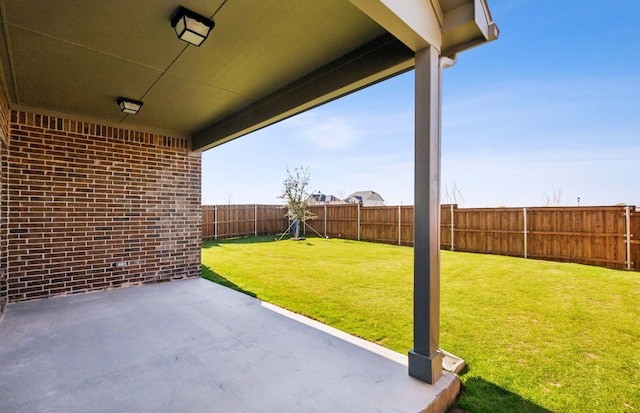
603 236
228 221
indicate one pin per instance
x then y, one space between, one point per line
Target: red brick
82 196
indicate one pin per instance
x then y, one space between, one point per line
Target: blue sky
552 106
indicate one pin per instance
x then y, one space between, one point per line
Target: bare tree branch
452 195
555 199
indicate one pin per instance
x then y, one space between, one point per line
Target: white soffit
264 61
417 23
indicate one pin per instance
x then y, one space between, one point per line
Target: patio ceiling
264 61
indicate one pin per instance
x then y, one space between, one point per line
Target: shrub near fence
604 236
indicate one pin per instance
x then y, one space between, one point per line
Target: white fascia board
416 23
467 26
475 11
491 29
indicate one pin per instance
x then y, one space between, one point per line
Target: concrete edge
446 395
447 388
360 342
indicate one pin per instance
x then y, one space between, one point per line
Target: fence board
446 221
242 220
588 235
379 224
342 220
635 239
492 231
208 222
407 225
271 219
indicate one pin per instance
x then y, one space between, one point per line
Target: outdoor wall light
191 27
129 106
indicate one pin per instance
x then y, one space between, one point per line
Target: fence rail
603 236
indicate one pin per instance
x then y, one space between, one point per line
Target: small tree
295 195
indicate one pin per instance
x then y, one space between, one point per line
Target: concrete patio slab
194 346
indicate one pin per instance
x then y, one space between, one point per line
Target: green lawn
537 336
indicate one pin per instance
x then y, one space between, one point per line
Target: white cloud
326 132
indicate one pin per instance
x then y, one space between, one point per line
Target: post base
425 368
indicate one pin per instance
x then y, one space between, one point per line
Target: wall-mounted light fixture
191 27
129 106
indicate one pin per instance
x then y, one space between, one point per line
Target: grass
537 336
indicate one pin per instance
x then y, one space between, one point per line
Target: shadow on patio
194 346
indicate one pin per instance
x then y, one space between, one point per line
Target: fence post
452 228
627 216
524 214
215 221
358 222
255 220
325 220
399 224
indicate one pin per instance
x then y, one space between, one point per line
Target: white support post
524 213
215 222
627 216
452 228
358 222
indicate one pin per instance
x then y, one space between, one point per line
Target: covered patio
194 346
98 194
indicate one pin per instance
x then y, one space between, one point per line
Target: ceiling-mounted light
191 27
129 106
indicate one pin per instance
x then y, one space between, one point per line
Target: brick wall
84 198
4 137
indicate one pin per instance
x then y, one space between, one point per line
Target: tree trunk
297 235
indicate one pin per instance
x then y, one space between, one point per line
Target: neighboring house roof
321 198
361 197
